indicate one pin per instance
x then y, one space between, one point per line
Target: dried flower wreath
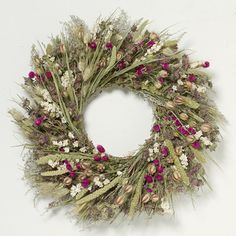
77 65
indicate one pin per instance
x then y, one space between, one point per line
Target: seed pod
155 198
183 116
100 167
151 169
170 160
85 164
128 188
170 104
120 200
88 172
146 198
176 175
119 55
179 150
190 138
163 73
179 100
67 181
153 36
188 85
193 123
205 127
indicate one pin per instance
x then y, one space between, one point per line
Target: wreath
77 65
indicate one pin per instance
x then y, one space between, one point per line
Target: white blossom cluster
63 143
184 161
165 205
153 151
75 189
204 139
97 181
67 79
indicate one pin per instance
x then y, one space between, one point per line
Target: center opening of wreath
119 120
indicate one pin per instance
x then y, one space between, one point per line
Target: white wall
210 27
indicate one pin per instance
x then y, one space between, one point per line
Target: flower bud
120 200
183 116
151 169
128 188
146 198
205 127
155 198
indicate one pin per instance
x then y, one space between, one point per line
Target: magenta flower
191 130
148 178
206 64
156 162
149 190
196 145
160 169
72 174
31 75
92 45
69 167
183 130
121 65
156 128
140 70
85 183
164 151
100 148
109 45
97 158
78 165
192 78
48 74
165 66
159 177
177 123
105 158
150 43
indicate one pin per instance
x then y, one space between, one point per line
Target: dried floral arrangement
77 65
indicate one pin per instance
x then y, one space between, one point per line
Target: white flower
75 144
174 88
119 173
65 142
206 141
63 120
99 184
106 181
83 149
180 82
71 135
66 149
151 151
184 160
67 79
53 164
201 89
75 189
198 134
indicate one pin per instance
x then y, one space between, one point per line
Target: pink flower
192 78
31 75
105 158
92 45
149 190
164 151
100 148
177 123
85 183
40 120
121 65
148 178
165 66
161 80
97 158
156 128
109 45
160 169
196 145
72 174
156 162
150 43
140 70
48 74
159 177
206 64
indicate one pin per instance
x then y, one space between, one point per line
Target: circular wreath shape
78 64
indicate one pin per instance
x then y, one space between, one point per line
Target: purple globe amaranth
148 178
100 148
164 151
156 128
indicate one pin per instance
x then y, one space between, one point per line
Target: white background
210 27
